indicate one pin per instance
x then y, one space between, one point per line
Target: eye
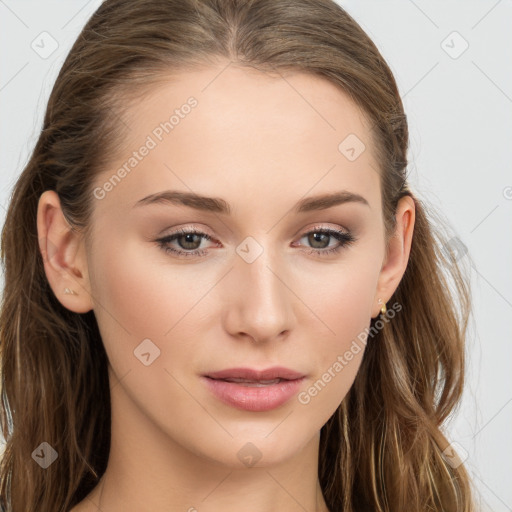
189 242
318 237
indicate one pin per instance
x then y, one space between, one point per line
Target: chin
257 448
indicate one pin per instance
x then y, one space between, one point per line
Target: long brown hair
382 450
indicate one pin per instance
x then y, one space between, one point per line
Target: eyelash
345 239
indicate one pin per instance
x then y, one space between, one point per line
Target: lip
253 397
276 372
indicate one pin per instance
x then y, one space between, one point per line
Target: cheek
138 294
344 302
344 309
144 307
140 297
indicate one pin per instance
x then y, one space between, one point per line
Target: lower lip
254 398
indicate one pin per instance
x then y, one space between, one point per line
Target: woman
220 291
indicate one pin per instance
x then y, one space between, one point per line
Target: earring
70 292
383 309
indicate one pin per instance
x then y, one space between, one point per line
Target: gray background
459 106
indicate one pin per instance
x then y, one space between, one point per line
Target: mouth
254 383
254 390
253 375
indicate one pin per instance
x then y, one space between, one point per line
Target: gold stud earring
383 309
70 292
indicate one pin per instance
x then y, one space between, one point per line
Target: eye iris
189 241
313 237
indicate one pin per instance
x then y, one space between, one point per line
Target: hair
382 449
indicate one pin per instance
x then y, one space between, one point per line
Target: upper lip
276 372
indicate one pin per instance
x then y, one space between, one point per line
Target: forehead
222 130
228 97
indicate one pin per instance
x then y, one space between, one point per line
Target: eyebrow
219 205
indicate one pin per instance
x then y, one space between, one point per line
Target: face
254 281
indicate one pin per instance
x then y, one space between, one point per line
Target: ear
397 256
64 255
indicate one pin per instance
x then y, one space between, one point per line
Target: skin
262 143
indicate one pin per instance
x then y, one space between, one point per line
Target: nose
260 303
